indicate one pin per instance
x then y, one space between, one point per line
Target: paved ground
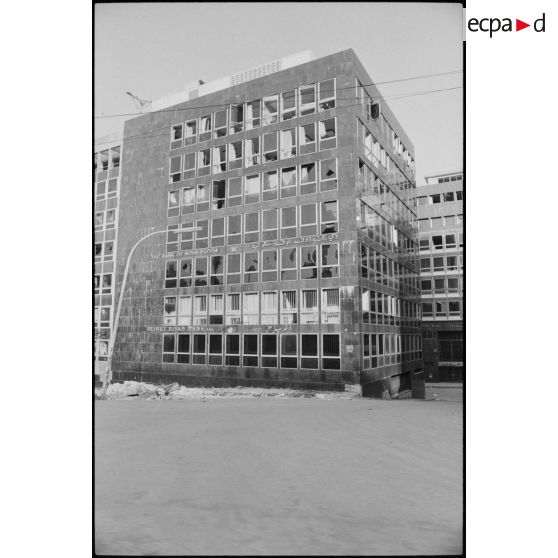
278 476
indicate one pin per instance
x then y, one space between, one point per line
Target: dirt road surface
278 476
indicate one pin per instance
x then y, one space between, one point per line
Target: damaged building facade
302 270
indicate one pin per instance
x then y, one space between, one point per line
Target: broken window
307 138
205 128
219 159
326 91
218 194
307 99
270 185
328 138
252 147
176 136
251 267
104 160
202 197
288 143
235 155
329 217
169 316
328 175
204 162
330 260
288 105
220 124
175 169
170 274
252 188
288 182
217 269
188 200
288 264
200 273
237 118
289 308
270 146
269 110
186 272
191 132
309 263
308 178
253 114
269 268
115 157
173 203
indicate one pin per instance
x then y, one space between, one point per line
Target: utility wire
354 104
228 104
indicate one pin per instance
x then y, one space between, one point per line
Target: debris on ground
142 390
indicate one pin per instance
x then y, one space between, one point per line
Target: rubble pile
142 390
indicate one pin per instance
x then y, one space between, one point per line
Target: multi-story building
106 181
303 268
440 213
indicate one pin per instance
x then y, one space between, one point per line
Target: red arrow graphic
519 25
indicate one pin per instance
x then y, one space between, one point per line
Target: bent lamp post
108 375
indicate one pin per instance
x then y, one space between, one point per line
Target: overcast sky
154 50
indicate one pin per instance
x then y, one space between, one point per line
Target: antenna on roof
139 102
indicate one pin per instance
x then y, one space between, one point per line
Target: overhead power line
226 105
354 103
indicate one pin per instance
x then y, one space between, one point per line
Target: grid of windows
304 306
311 351
255 226
385 349
253 114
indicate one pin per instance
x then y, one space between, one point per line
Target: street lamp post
108 375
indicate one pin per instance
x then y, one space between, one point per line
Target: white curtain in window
252 185
216 306
200 305
310 300
269 303
287 141
233 303
289 300
251 303
184 305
